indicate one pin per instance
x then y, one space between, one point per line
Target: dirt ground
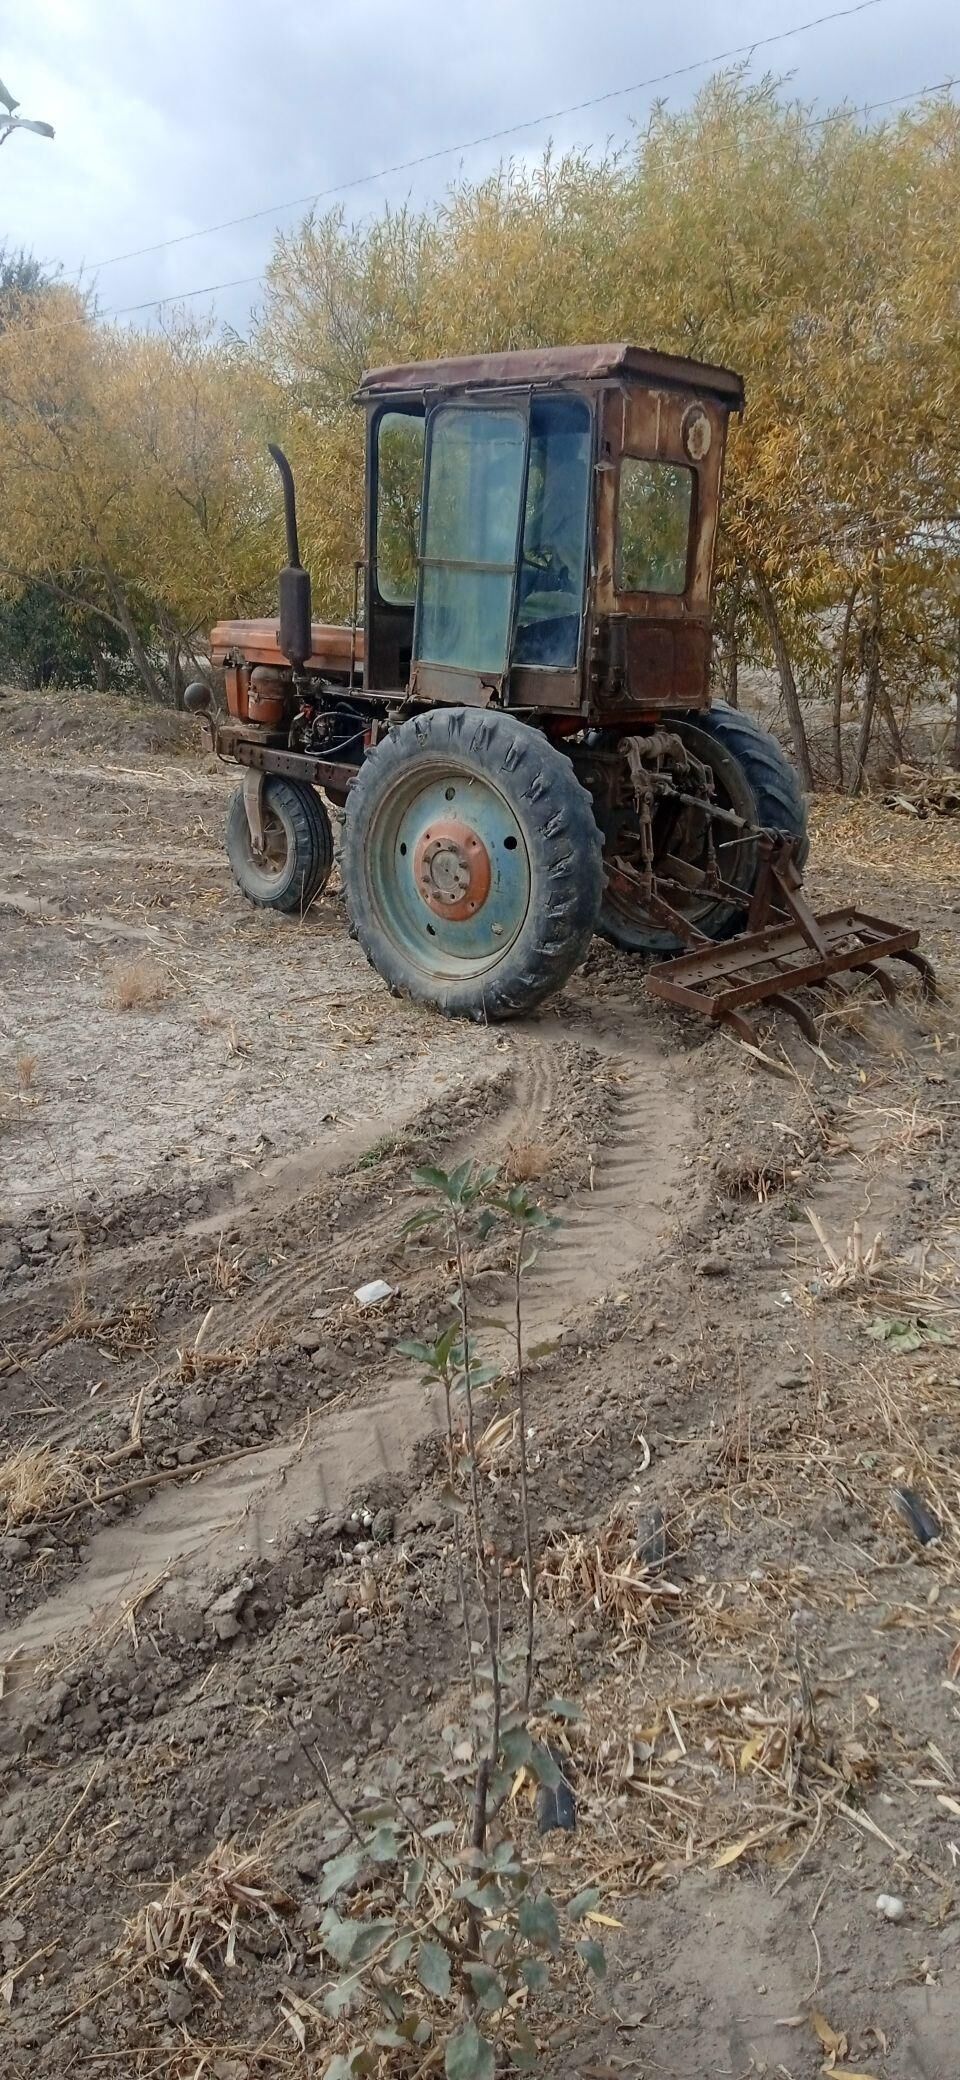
222 1553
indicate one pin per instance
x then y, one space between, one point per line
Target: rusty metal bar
294 765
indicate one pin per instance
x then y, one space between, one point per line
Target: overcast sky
172 115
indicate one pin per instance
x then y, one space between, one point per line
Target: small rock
712 1265
179 2003
229 1602
309 1340
36 1241
10 1256
422 1515
374 1292
11 1932
15 1548
54 1701
226 1626
890 1906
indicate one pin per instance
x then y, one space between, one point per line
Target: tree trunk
99 661
893 729
873 687
150 682
956 701
175 671
730 634
788 684
839 677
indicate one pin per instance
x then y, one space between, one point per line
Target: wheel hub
452 869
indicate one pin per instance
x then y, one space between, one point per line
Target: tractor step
789 948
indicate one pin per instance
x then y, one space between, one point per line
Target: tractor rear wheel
471 863
297 857
781 805
751 777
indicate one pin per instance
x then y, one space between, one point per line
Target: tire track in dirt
193 1533
532 1091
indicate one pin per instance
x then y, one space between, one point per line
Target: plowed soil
222 1551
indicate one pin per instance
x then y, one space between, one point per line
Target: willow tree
815 255
134 475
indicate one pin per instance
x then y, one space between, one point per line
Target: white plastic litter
372 1294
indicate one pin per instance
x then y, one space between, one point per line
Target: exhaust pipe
296 614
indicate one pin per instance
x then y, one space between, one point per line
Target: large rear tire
781 803
471 863
753 777
298 855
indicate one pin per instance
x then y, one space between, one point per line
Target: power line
491 137
184 295
818 122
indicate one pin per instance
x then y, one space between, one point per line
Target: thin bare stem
489 1762
457 1540
524 1485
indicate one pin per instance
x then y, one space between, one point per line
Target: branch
71 599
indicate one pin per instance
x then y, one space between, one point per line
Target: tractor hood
258 642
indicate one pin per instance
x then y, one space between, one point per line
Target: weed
25 1066
137 986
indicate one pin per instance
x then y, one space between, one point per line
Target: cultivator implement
785 947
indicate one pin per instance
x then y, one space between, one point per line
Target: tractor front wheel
471 863
297 855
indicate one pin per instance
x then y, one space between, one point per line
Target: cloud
172 117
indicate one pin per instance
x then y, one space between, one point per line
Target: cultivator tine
885 983
783 1001
925 969
742 1027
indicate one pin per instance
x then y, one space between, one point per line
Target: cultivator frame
785 947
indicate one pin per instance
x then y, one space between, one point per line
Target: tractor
519 726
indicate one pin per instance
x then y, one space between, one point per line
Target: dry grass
526 1162
118 1335
34 1482
25 1070
195 1927
137 985
602 1575
224 1272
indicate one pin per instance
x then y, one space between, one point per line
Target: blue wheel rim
442 946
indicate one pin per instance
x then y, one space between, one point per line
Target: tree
816 255
134 464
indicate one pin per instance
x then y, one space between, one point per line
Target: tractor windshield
475 475
488 570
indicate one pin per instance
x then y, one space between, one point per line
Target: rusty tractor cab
522 732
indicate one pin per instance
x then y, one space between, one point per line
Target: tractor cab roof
549 367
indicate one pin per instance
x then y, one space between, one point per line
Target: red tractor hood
257 642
